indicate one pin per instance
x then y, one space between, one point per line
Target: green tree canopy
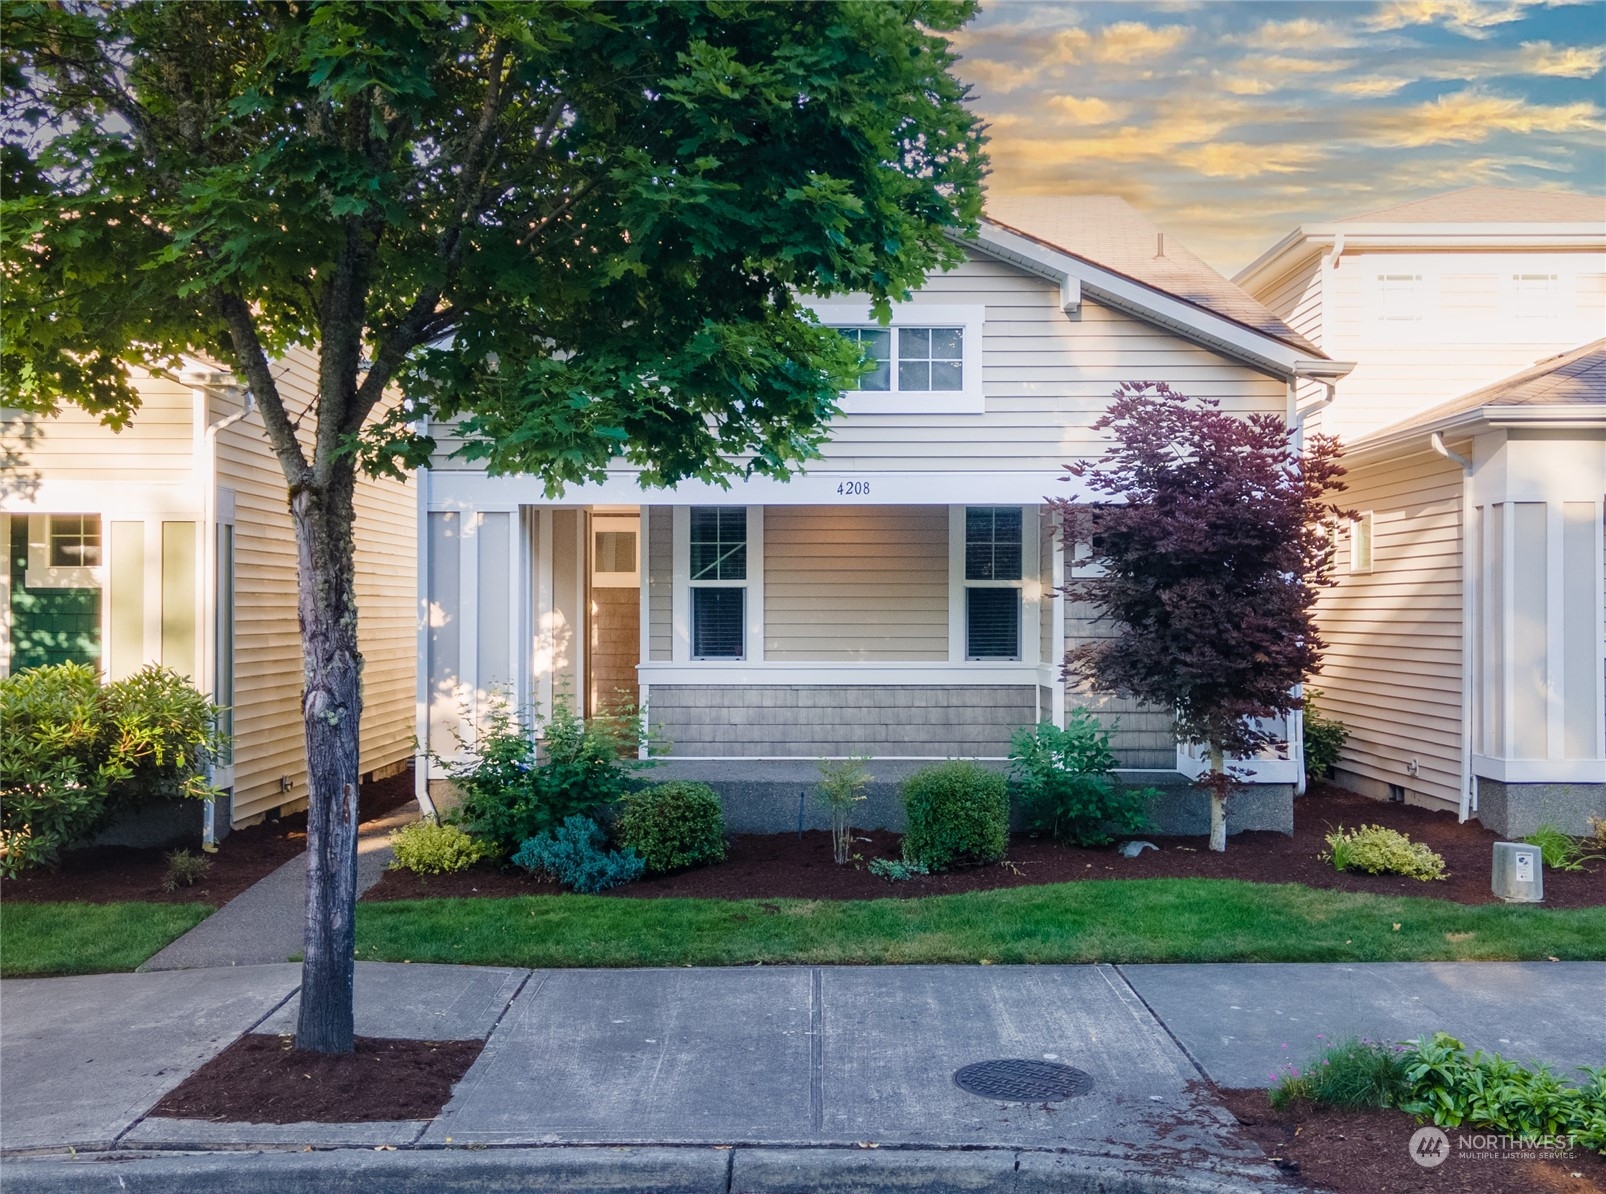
582 230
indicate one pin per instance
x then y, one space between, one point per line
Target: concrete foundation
777 796
1515 810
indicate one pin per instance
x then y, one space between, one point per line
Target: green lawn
40 939
1142 920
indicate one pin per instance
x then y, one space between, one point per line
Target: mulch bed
266 1080
110 874
788 865
1367 1152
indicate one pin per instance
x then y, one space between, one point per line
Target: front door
615 612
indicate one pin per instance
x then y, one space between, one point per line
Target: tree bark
332 707
1218 801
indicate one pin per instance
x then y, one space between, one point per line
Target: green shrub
1379 851
1353 1075
1437 1079
573 854
842 784
185 870
673 825
75 753
1456 1089
513 790
958 814
1561 851
896 869
428 848
1065 781
1324 739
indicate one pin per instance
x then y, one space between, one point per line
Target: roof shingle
1108 231
1493 205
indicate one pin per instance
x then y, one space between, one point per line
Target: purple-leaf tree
1209 537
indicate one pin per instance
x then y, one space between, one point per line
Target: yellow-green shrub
1380 851
426 848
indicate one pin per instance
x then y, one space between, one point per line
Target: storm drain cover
1021 1080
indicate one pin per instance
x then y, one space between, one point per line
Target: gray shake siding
1142 736
660 579
808 721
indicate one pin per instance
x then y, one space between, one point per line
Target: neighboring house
170 542
1465 636
896 600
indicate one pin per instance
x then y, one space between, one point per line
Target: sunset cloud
1228 124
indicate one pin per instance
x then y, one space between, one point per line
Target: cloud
1239 159
992 75
1091 110
1564 62
1469 18
1246 86
1475 115
1121 42
1302 33
1278 64
1367 86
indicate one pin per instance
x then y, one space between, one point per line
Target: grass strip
1136 920
75 938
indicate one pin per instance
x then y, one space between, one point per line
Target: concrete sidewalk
772 1076
267 921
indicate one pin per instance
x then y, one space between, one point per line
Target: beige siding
157 446
660 581
1047 378
267 722
1392 673
1467 337
1296 298
845 583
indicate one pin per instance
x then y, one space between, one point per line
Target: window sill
893 402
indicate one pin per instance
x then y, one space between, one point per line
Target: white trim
1507 693
546 655
1540 771
473 489
42 574
422 664
869 672
1555 637
971 319
468 615
752 587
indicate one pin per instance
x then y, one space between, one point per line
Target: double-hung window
993 538
718 582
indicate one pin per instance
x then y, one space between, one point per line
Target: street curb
600 1170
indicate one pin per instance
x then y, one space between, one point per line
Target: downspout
1467 802
209 520
1296 418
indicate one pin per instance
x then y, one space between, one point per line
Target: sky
1230 122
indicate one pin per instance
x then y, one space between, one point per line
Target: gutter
1468 798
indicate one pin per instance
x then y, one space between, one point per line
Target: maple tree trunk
332 707
1218 802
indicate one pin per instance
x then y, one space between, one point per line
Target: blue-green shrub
958 815
672 826
575 856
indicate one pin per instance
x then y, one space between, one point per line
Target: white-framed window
1360 542
1535 297
64 551
993 573
717 580
615 551
926 360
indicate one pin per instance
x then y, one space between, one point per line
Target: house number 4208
853 489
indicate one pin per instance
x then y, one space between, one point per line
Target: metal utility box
1518 873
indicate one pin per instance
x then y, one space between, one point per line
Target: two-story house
170 542
1465 634
899 598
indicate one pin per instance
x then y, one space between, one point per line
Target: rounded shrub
673 826
958 815
426 848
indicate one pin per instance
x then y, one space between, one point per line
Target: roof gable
1492 205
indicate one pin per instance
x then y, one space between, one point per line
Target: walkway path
266 922
793 1068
